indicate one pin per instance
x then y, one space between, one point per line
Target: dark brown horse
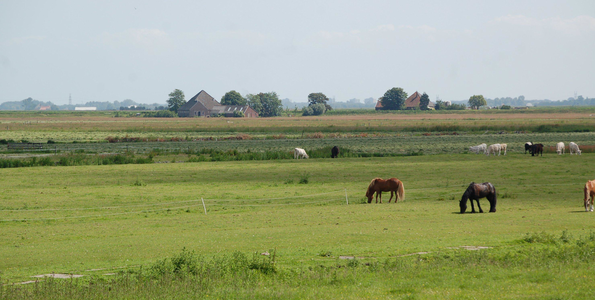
335 152
378 185
476 191
537 149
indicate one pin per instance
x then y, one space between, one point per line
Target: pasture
98 220
140 230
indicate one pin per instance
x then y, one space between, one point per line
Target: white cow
493 148
477 149
560 148
299 153
574 148
503 147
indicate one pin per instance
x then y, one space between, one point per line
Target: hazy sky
143 50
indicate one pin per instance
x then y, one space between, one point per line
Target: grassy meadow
141 231
96 220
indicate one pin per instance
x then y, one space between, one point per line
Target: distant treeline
32 104
521 101
352 103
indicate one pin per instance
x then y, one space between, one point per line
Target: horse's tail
401 191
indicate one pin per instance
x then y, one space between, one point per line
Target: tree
176 100
424 101
394 99
265 104
476 101
315 98
233 98
370 102
29 104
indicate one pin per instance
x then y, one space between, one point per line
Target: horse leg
391 197
479 206
472 206
380 196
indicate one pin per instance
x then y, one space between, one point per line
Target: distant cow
503 148
477 149
335 152
536 149
528 147
493 149
299 153
560 148
574 148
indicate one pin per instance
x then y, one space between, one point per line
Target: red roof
413 100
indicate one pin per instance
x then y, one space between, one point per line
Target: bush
238 114
308 111
318 109
160 114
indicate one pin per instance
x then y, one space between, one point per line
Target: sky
143 50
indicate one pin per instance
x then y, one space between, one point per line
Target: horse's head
463 202
370 195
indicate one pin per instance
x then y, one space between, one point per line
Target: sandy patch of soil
60 276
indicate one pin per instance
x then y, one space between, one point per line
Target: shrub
238 114
304 179
318 109
308 111
160 114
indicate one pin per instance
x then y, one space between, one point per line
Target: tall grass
76 159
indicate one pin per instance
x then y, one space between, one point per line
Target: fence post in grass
203 205
346 199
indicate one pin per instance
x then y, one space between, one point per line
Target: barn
410 103
204 105
413 101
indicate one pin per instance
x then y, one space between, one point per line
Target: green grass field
140 231
94 220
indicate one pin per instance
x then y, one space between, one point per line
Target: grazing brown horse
589 195
378 185
475 191
335 152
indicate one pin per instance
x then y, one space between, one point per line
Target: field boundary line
157 204
162 209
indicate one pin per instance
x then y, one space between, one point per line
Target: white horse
503 147
493 148
479 148
299 153
574 148
560 148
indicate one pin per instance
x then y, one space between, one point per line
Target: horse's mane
372 182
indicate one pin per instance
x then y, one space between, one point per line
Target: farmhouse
203 105
411 103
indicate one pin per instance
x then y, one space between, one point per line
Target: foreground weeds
537 266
